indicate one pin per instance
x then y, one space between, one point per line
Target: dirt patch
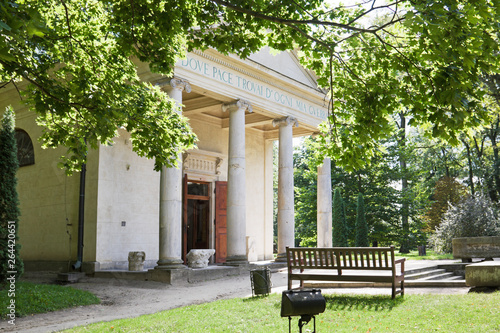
128 298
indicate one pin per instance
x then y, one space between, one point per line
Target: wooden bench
306 264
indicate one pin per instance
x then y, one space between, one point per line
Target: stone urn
199 258
136 261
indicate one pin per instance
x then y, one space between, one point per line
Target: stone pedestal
466 248
136 261
483 274
199 258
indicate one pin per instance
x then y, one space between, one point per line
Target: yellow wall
48 198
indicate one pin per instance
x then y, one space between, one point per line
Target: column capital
174 82
285 121
237 105
181 84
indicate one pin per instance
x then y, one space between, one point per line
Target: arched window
25 151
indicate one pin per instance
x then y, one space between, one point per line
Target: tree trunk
492 135
405 244
469 162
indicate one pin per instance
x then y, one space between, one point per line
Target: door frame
185 198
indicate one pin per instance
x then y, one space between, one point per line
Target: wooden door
220 222
184 218
196 215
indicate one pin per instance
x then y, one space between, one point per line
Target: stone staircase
444 275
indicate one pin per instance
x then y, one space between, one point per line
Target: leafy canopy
377 58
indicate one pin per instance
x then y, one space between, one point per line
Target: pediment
285 63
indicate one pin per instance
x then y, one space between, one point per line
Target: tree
338 223
10 261
361 227
447 192
76 56
474 216
305 184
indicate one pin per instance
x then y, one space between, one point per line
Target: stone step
442 276
448 283
420 270
424 274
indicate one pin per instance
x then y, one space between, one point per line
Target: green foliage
343 313
82 81
10 261
339 228
428 57
361 227
305 183
446 192
475 216
376 182
34 298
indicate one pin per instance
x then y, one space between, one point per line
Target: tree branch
308 22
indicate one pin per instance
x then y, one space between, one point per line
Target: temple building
221 196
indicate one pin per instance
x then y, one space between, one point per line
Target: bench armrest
402 262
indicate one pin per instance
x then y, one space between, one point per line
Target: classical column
286 222
324 204
171 197
236 184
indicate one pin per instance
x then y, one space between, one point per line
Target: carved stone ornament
285 121
237 105
203 162
199 258
178 83
136 261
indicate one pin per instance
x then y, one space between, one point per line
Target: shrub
339 229
474 216
361 226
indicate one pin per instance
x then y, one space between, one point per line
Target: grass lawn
344 313
431 255
34 298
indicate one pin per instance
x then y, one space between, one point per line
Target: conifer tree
11 264
338 224
361 226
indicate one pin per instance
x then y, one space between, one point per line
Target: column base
281 257
236 261
170 264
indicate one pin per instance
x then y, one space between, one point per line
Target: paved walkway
129 298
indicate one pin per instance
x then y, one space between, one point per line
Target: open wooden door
220 222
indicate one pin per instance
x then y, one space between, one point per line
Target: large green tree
76 55
11 264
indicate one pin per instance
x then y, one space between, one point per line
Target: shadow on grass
362 302
255 298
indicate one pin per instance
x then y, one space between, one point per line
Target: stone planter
136 261
199 258
466 248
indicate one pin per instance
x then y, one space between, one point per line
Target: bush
475 216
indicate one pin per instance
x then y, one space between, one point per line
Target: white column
170 256
236 184
324 204
286 221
